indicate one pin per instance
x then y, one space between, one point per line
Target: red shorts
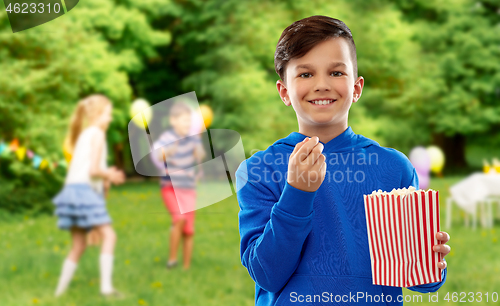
187 200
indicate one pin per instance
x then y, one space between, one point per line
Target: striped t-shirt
180 165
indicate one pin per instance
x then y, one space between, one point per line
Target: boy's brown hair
302 35
179 108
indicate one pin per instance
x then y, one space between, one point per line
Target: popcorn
399 191
401 228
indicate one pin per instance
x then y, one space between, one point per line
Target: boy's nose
322 83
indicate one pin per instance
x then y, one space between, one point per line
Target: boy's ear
280 85
358 89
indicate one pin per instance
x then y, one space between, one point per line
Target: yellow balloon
139 108
437 159
207 114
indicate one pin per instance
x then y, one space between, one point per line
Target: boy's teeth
322 102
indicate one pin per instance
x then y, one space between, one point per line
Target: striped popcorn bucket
401 232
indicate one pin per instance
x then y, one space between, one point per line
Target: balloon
421 160
423 181
21 152
30 154
139 108
196 122
207 114
437 158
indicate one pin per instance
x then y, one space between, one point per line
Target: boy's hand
167 153
442 248
306 166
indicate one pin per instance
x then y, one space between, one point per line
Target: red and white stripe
401 233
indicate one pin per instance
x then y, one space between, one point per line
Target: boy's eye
301 75
338 73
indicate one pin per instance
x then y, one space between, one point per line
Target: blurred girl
80 205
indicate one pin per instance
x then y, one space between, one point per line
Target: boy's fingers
320 163
298 146
307 149
442 264
442 248
300 153
314 154
443 236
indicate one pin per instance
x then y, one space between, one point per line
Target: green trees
459 72
47 69
431 68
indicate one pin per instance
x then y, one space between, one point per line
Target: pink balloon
423 180
420 159
196 122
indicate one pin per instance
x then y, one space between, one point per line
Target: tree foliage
47 69
430 67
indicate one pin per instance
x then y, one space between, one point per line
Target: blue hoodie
311 248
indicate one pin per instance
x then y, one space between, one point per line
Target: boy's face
181 123
326 73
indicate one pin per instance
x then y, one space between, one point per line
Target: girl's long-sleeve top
312 247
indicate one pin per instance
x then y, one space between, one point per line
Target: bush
24 189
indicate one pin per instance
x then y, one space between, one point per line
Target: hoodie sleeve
412 180
272 230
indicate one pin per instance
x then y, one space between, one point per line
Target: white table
478 190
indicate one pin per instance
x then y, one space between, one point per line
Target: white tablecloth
475 188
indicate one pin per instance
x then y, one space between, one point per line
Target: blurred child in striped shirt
180 153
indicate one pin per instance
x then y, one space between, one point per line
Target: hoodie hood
347 141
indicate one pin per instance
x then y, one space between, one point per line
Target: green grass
32 252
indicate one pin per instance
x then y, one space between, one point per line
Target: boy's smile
320 86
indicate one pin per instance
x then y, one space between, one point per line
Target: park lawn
34 249
32 252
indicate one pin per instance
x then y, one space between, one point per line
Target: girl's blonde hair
86 110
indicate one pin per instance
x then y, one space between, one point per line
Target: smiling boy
303 238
